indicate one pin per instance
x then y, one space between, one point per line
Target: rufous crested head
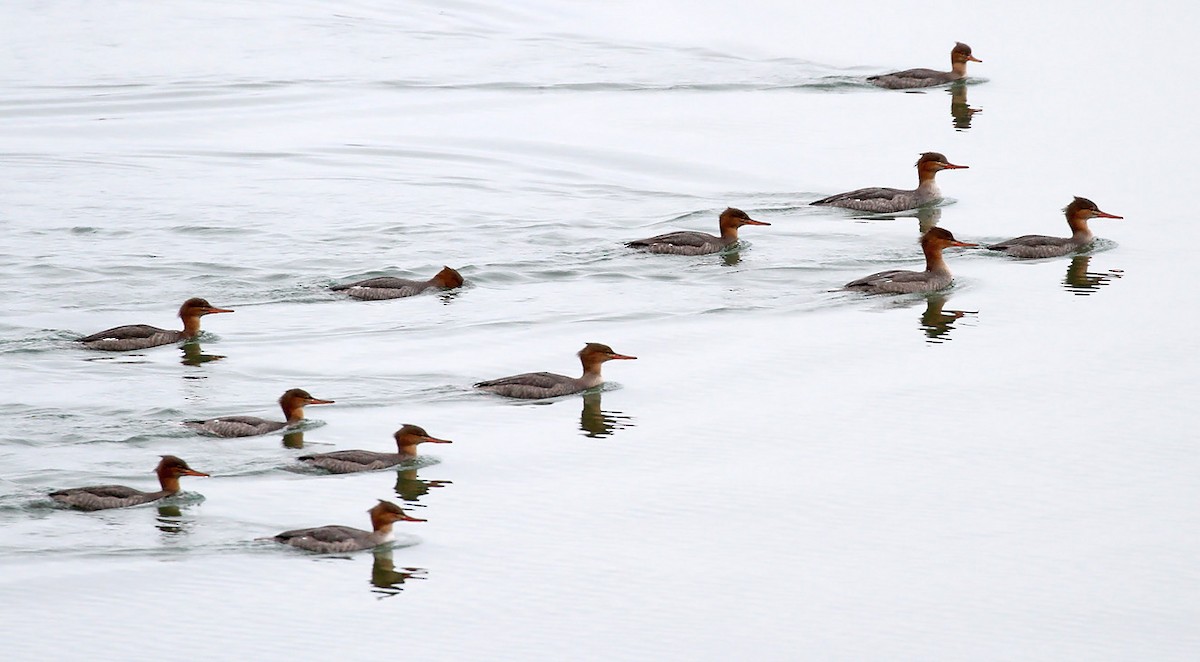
293 394
942 238
448 278
386 512
962 53
174 467
936 161
410 434
598 351
736 218
1082 207
195 307
294 400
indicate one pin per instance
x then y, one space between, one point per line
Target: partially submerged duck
898 281
141 336
374 289
878 199
336 538
292 402
699 243
1037 245
344 462
533 385
960 55
103 497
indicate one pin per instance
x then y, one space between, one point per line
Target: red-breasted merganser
1036 245
345 462
699 243
335 538
103 497
935 277
141 336
292 402
960 55
373 289
532 385
894 199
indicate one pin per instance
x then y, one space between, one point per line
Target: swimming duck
142 336
935 277
374 289
103 497
533 385
344 462
338 539
1037 245
892 199
699 243
293 402
960 55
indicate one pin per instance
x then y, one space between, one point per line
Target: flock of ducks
533 385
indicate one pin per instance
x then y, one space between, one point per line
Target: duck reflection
170 520
194 355
410 488
1081 282
928 218
294 439
597 423
386 580
936 321
959 110
731 258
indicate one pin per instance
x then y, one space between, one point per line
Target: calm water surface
1004 470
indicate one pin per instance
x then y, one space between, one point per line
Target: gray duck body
883 200
913 78
376 289
353 461
1036 245
334 538
387 287
131 336
534 385
103 497
900 281
682 243
236 426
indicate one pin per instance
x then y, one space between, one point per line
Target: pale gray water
1003 472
